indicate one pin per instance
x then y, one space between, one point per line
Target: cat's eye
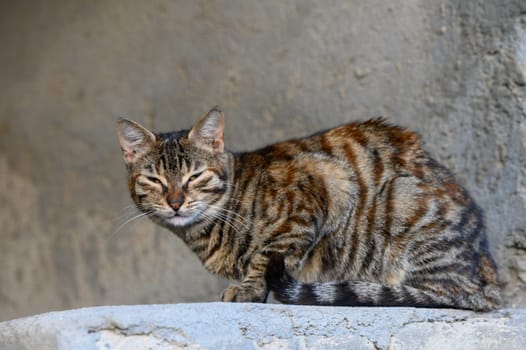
154 180
194 177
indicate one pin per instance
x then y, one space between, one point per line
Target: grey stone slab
260 326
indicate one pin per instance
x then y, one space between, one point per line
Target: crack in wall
159 336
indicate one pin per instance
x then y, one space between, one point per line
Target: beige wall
68 69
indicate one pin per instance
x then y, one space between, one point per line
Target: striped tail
287 290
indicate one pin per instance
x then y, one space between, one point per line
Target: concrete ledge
264 326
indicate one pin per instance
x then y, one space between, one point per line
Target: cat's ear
135 139
208 133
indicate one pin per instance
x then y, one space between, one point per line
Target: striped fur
356 215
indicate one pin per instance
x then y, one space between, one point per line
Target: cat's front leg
291 245
253 288
244 294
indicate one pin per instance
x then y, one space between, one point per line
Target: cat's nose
175 202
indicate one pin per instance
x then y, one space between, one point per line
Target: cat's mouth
183 217
180 220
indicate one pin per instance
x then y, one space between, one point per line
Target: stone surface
452 70
259 326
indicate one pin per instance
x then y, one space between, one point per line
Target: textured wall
455 71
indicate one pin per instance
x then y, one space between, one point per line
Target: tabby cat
356 215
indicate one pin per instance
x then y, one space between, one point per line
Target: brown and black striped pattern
356 215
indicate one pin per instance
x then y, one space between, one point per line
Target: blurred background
452 70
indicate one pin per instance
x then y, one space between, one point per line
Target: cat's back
339 163
373 147
364 163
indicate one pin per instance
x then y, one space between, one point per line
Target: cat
356 215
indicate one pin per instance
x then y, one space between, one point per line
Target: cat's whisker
231 221
132 210
225 219
128 213
134 218
240 226
231 212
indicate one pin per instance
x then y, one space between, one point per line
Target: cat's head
179 178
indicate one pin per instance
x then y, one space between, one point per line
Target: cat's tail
287 290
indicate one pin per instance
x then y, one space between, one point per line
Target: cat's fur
356 215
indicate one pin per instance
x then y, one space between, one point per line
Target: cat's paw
240 294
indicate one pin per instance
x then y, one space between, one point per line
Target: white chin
180 220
